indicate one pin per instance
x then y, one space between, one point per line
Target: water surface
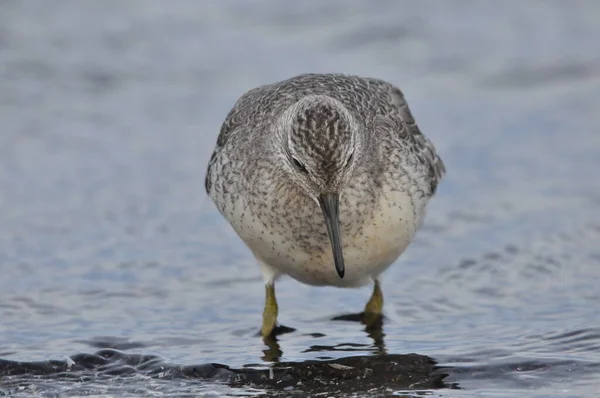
112 255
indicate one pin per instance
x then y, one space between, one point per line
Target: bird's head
321 144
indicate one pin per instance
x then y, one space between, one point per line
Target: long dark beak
329 203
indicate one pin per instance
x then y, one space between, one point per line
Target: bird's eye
299 166
349 160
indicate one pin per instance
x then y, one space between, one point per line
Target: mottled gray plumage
287 147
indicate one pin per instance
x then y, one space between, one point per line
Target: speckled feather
382 202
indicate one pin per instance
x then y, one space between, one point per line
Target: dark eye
299 166
349 160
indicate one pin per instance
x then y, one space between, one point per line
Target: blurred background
109 111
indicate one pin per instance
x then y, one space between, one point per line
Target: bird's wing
394 114
238 120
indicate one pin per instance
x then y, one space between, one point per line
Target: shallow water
112 255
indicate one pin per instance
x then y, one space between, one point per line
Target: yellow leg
270 312
374 307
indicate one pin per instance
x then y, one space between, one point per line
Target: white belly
369 246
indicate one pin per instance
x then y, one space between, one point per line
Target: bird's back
379 106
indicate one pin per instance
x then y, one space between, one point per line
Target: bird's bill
329 203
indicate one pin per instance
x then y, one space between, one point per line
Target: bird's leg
374 307
270 312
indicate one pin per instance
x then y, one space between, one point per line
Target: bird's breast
288 233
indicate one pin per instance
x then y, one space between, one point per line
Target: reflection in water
375 331
273 352
377 335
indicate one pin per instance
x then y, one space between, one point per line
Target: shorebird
325 177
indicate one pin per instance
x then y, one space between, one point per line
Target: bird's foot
270 312
372 317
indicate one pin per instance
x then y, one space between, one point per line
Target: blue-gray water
109 111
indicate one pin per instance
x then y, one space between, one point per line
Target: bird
325 177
